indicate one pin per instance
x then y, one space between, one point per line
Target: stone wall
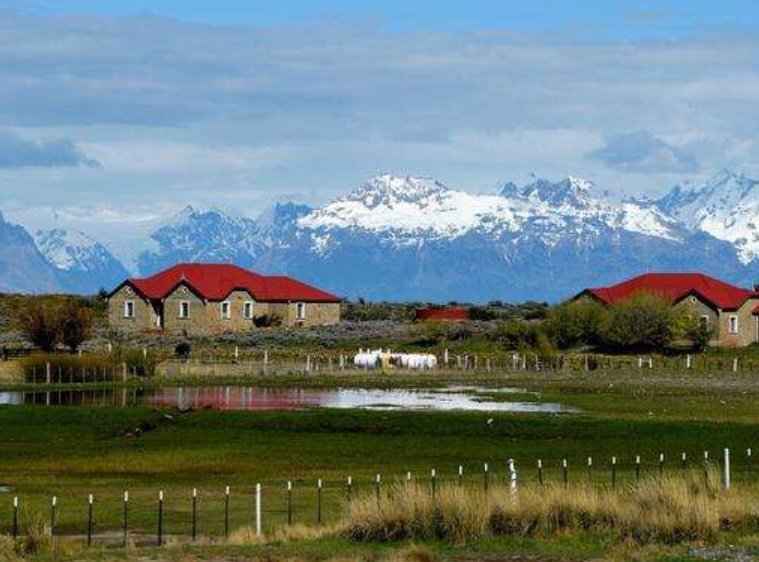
144 315
205 317
747 326
316 314
195 323
696 308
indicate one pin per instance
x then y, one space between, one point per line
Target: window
733 324
184 309
300 310
226 310
704 321
128 309
248 309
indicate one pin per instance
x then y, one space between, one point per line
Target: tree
575 323
75 325
693 330
40 326
642 322
516 334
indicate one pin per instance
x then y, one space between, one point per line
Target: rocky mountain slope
81 264
408 238
402 238
22 267
726 206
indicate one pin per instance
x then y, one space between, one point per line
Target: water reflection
261 399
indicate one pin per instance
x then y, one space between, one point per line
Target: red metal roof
216 281
442 313
675 286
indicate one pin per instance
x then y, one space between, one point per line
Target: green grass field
71 452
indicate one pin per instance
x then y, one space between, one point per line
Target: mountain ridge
411 238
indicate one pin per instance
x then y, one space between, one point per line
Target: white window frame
225 310
300 311
732 324
182 305
247 310
129 309
704 321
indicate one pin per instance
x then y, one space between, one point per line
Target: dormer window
226 310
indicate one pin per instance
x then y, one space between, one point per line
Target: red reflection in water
232 398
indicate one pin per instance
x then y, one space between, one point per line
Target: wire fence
241 362
153 517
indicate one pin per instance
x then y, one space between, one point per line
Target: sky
115 115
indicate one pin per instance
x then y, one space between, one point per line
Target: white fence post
513 480
727 469
258 510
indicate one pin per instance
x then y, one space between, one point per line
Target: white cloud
223 115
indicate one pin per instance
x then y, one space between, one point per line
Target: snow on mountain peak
571 191
725 206
389 190
68 250
411 210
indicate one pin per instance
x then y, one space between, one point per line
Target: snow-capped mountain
22 267
726 207
410 238
81 264
413 208
407 238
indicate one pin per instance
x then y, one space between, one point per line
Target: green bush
643 322
575 323
516 334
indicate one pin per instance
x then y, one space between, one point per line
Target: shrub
267 321
40 326
575 323
74 324
692 330
69 324
645 321
182 350
516 334
483 313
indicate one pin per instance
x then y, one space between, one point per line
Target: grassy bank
77 451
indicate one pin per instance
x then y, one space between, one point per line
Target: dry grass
665 511
247 535
11 372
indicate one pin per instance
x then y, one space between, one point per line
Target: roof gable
215 282
675 287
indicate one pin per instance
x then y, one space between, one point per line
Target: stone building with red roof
731 312
202 299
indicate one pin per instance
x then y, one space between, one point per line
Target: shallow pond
247 398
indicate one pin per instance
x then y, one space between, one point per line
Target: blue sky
602 18
116 114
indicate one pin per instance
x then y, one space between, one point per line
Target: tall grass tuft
665 510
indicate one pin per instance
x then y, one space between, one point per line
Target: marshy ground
72 452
